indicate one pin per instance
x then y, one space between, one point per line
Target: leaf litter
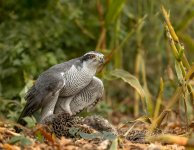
138 137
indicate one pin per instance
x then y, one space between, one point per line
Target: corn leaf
178 71
114 10
130 79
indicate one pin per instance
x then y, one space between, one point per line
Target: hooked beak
101 60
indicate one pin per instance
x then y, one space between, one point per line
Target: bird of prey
71 85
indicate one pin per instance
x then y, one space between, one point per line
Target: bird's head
93 58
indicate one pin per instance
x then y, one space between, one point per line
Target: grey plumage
61 81
86 98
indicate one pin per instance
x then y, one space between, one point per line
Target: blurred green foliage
35 35
38 34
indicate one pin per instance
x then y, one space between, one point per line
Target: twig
9 132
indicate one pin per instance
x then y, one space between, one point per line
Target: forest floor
130 136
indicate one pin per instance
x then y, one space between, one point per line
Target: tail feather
28 110
33 98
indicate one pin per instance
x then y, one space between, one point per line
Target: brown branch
102 38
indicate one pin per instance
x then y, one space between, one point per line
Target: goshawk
70 86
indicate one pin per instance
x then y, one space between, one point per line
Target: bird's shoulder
65 66
55 73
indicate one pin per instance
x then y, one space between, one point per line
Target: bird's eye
91 56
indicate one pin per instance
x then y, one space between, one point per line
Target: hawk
70 87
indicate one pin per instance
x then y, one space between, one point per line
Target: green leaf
104 135
31 121
130 79
39 136
89 136
73 131
15 139
108 135
25 141
22 139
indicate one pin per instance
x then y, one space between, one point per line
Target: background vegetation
38 34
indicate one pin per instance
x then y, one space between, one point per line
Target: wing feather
46 86
48 83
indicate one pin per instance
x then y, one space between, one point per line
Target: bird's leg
48 120
63 105
49 106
